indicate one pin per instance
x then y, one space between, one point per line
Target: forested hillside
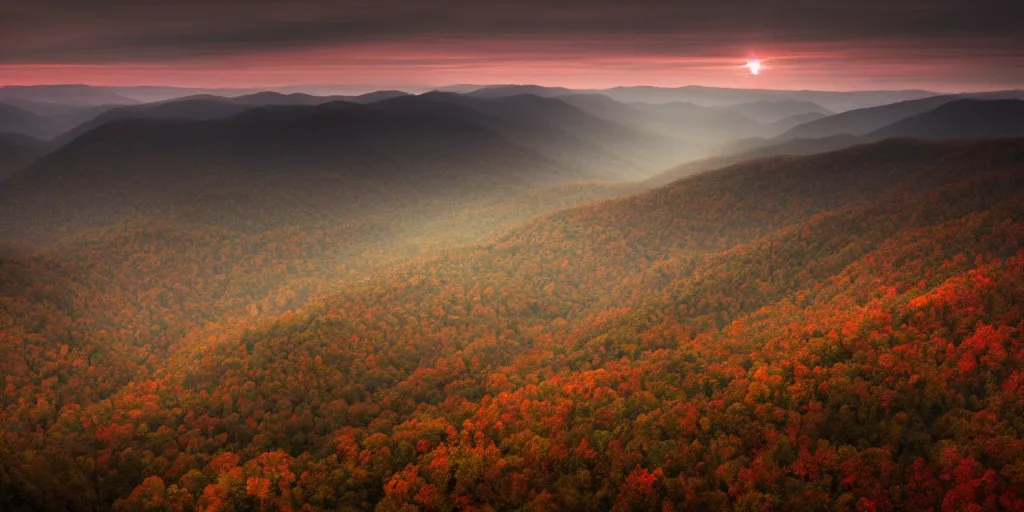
230 164
830 332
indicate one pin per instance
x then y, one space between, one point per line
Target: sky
942 45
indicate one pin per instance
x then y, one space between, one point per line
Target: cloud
382 34
121 30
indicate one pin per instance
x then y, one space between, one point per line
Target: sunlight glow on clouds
578 62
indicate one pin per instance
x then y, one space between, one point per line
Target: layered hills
833 330
276 164
489 298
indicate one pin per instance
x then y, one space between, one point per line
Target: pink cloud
579 61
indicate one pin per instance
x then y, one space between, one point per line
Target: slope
961 119
704 124
955 119
696 345
836 101
265 167
196 108
603 148
716 97
788 123
772 111
20 121
700 126
864 121
741 152
647 152
17 152
204 107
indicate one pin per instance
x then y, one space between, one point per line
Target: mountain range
961 119
511 298
265 164
705 96
950 120
44 121
709 96
262 159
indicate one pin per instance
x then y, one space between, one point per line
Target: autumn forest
500 302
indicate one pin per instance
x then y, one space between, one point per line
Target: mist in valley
221 294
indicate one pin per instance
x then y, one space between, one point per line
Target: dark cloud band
184 32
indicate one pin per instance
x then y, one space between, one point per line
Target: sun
754 66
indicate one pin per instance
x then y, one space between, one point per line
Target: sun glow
754 66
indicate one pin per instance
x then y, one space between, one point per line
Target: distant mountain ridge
699 118
705 96
697 124
765 111
864 121
576 134
15 119
836 101
547 125
265 163
952 120
79 95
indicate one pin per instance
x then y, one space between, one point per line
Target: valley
513 298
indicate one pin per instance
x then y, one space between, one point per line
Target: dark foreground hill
837 331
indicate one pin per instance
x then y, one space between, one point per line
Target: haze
546 256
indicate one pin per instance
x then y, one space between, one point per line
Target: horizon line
428 88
